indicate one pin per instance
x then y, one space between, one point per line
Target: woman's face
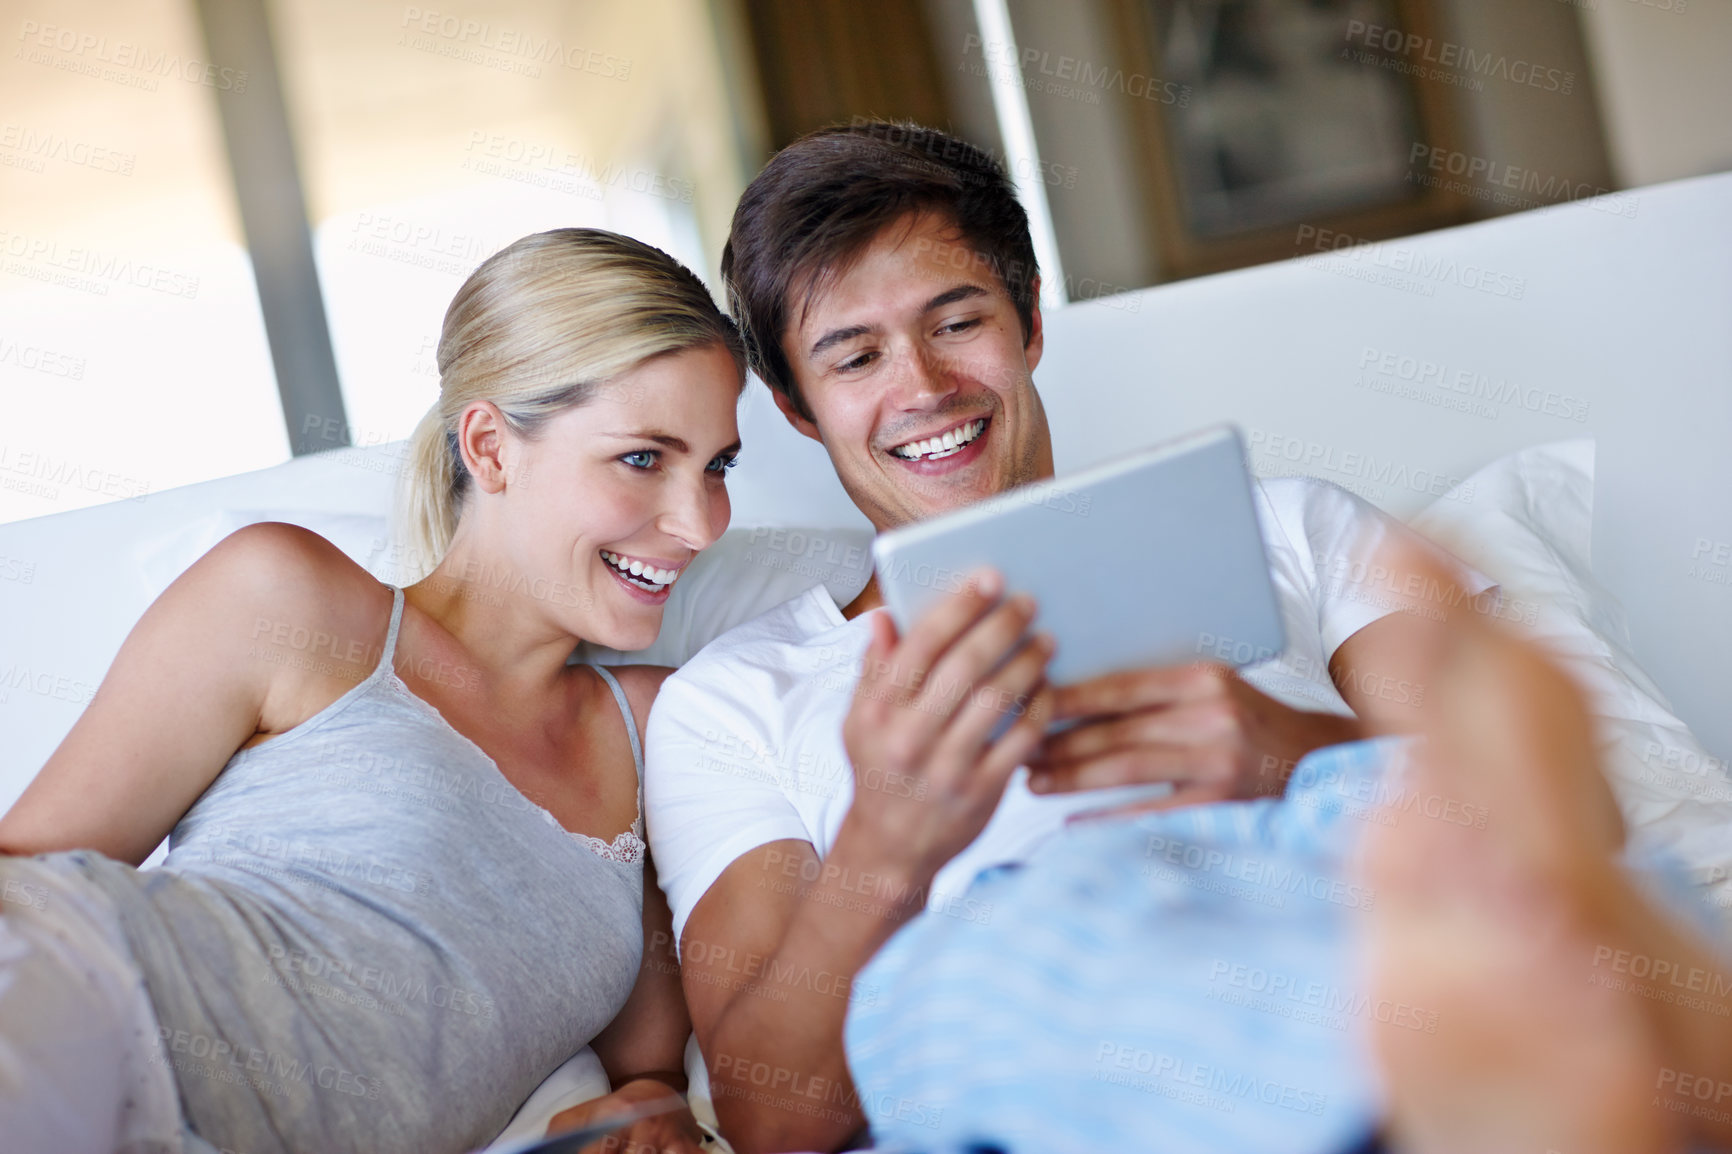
606 507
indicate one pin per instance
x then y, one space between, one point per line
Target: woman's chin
628 636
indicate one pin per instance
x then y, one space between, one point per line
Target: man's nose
923 378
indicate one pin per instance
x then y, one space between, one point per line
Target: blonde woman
407 876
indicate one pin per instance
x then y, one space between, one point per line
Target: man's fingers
1011 750
1139 766
1134 689
1183 723
978 652
940 627
987 704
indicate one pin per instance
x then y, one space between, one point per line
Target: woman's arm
208 666
643 1048
647 1038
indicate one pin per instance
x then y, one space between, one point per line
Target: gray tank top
364 938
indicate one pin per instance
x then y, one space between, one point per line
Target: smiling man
815 781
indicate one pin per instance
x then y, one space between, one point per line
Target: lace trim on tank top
626 849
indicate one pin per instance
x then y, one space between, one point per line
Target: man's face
915 370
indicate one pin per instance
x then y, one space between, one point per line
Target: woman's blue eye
723 464
648 456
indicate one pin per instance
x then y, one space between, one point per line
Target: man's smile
955 441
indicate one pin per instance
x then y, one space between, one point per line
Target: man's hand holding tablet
1137 564
941 718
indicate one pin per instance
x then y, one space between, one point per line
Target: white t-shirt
745 740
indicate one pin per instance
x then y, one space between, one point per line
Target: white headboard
1392 369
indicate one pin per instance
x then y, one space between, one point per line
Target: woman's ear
802 425
481 437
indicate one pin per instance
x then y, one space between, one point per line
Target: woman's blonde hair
536 329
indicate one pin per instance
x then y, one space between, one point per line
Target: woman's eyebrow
677 444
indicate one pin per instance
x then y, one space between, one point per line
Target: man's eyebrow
951 296
947 297
837 336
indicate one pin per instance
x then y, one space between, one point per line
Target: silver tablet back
1152 559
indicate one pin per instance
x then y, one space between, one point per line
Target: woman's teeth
645 576
937 448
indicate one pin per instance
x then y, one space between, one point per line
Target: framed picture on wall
1278 115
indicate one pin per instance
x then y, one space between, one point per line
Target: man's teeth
936 448
648 576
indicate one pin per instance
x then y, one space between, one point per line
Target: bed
1552 389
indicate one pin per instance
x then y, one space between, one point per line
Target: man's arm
1215 737
770 951
769 960
1200 727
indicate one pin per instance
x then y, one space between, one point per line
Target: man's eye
960 326
723 464
642 459
859 361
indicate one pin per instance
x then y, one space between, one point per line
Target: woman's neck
487 606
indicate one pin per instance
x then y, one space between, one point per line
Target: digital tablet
1155 558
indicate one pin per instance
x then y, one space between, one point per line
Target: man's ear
481 439
1036 333
802 425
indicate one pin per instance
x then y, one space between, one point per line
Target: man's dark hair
821 202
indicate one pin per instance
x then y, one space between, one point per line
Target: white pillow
159 561
1526 521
